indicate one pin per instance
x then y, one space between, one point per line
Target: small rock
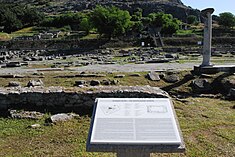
80 82
119 76
38 73
95 82
232 94
168 55
201 85
13 64
35 126
26 114
33 83
228 83
153 76
171 78
114 82
13 84
74 115
171 72
161 75
106 82
205 76
205 116
62 117
135 75
182 100
19 76
26 59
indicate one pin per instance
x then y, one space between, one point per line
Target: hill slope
174 7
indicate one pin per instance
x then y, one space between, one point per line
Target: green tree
170 27
85 25
32 17
15 17
136 19
168 24
137 15
227 19
192 19
9 20
110 21
67 19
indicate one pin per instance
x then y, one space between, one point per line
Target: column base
206 65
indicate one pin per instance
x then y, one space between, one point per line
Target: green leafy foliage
136 19
71 19
15 17
110 21
192 19
227 19
168 24
85 25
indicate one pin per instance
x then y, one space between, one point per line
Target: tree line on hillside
108 21
15 17
112 21
226 19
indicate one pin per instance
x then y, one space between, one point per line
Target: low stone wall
59 98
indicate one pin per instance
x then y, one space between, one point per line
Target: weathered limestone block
60 118
153 76
171 78
201 86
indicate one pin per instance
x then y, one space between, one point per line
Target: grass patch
184 32
4 36
52 79
90 36
64 139
208 128
29 31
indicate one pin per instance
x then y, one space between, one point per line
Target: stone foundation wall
70 98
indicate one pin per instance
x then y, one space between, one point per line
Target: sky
220 6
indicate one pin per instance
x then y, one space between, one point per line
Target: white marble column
207 36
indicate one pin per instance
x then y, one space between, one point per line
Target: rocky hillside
174 7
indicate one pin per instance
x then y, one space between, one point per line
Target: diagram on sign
110 109
156 109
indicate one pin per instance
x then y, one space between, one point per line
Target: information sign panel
134 121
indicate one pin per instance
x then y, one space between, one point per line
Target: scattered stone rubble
13 84
20 114
33 83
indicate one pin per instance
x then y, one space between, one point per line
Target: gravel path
108 68
135 67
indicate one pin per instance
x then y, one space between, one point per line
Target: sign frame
146 147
